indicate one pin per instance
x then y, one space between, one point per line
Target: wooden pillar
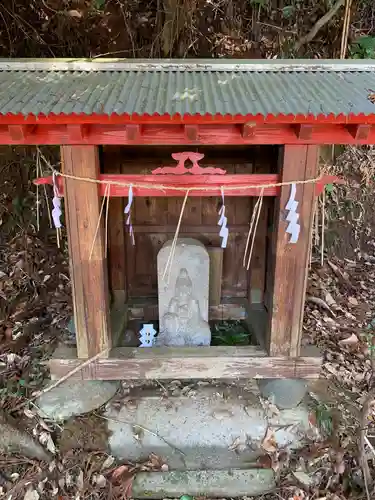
88 273
290 260
116 241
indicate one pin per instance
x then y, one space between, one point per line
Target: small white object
293 227
56 202
127 212
147 335
224 232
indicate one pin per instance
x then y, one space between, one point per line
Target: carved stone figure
182 321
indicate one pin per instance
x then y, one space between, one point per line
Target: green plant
363 48
324 419
288 11
262 4
229 333
99 4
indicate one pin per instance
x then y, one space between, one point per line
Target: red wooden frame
217 132
186 182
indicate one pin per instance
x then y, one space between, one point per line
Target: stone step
208 428
205 483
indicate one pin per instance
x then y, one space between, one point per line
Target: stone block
204 483
203 430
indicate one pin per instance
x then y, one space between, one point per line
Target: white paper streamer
56 202
224 232
293 227
127 212
147 335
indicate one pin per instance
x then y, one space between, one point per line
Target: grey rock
72 398
14 439
208 483
200 429
284 393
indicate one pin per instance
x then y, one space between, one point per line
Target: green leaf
288 10
329 188
99 4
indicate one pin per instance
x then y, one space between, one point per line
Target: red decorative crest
195 169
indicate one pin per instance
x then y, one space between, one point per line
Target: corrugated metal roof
224 87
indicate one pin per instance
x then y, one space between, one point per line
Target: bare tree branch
319 25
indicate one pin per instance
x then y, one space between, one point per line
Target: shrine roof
312 89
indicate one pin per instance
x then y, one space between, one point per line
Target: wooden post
116 243
88 275
290 260
216 275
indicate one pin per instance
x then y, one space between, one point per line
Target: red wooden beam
304 132
196 119
20 133
175 135
78 132
192 132
187 182
248 130
359 132
133 132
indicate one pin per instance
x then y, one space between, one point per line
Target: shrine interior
235 293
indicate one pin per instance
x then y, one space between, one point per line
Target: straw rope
163 187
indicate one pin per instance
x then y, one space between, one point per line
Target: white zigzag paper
293 227
224 232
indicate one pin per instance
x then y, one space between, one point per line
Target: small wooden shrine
171 142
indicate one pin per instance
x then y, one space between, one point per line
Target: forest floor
35 295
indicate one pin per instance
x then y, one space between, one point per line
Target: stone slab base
204 429
206 483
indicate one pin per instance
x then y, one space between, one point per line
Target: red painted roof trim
10 119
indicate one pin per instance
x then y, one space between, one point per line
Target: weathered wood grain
190 363
289 261
88 275
116 242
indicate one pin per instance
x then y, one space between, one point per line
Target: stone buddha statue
183 322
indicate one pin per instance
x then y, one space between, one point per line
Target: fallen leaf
108 462
353 339
321 303
46 440
28 413
80 483
8 333
119 471
100 480
353 301
235 444
269 443
31 495
330 300
303 478
75 13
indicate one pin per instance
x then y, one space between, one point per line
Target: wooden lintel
191 132
172 134
248 130
189 363
78 132
303 132
88 266
133 132
20 133
359 132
